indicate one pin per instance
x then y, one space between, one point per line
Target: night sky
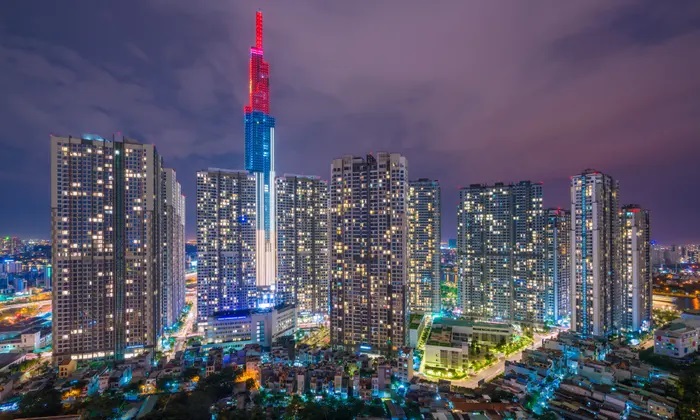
469 91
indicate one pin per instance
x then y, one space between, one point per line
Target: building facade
424 246
302 243
500 252
107 231
557 266
173 250
368 228
676 340
250 326
595 233
226 240
635 269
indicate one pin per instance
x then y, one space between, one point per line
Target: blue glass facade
258 159
258 141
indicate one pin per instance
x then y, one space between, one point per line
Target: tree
41 403
190 373
101 406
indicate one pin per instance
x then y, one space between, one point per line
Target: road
186 330
24 305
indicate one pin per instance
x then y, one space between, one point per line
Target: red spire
258 30
259 73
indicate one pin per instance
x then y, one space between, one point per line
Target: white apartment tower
557 265
423 287
595 233
302 243
635 273
226 242
368 227
500 251
106 217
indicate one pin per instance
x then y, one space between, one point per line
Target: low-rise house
676 340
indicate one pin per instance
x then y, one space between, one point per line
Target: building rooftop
676 328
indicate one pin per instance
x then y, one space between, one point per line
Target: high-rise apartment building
107 212
368 227
500 252
595 233
635 269
260 161
302 243
557 265
423 287
173 249
226 240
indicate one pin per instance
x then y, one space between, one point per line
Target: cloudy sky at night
469 91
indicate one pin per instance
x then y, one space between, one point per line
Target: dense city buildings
107 212
172 248
501 252
557 265
368 227
302 243
423 287
595 234
635 269
10 245
260 161
226 240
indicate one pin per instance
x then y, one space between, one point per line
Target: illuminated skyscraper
501 252
635 273
107 218
173 249
557 265
302 232
595 233
260 161
368 228
423 246
226 237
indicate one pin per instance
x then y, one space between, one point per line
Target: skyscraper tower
557 266
500 252
423 246
113 253
302 232
635 273
260 161
226 236
595 232
368 246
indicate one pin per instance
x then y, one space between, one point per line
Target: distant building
107 214
302 243
368 232
501 252
424 246
225 242
635 270
676 340
557 266
595 233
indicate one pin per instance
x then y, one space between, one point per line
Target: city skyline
620 119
